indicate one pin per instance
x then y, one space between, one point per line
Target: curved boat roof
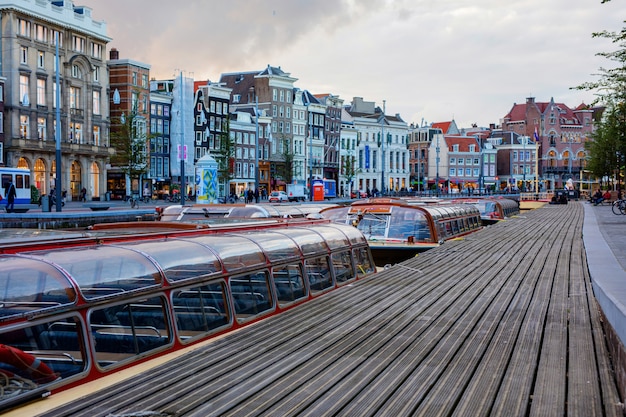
39 280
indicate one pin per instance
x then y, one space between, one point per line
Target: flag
536 135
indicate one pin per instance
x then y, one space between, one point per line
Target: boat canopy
39 280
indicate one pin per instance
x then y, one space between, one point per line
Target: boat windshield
405 222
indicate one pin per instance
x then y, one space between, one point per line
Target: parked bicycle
619 207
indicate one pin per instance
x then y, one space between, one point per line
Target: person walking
10 194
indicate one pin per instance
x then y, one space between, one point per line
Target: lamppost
524 164
382 139
256 149
437 164
310 156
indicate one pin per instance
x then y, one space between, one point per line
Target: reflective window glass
318 273
289 282
200 310
251 294
342 265
126 330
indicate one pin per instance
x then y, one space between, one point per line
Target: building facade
269 91
562 133
31 31
130 95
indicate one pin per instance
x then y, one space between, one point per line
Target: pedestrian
256 195
10 194
83 194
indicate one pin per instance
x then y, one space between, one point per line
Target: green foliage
34 194
608 151
225 154
129 140
286 170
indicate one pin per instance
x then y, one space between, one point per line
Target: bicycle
134 202
619 207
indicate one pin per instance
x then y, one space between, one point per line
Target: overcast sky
431 60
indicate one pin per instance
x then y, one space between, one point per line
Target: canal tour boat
397 229
93 303
492 210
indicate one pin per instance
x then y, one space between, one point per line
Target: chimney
114 54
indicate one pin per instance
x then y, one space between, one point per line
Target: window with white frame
24 126
41 92
76 72
452 172
96 50
468 172
475 172
24 87
472 148
455 148
452 161
78 43
1 124
41 128
96 135
96 102
96 74
24 27
461 161
74 98
23 55
274 94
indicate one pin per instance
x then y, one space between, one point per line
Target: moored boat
397 230
88 306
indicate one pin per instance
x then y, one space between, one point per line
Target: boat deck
500 323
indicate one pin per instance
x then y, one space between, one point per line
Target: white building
28 54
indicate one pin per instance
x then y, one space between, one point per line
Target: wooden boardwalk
501 323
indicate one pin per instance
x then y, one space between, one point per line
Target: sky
428 60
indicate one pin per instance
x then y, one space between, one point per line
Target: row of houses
261 128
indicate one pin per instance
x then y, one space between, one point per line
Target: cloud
428 59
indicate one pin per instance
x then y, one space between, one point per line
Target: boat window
126 330
251 294
374 226
236 252
104 270
309 241
181 259
200 310
336 214
289 282
249 212
342 264
354 235
277 247
335 239
38 354
406 222
318 273
28 285
364 264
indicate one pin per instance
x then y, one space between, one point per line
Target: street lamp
310 156
382 164
437 164
256 150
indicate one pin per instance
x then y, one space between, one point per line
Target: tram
396 230
492 210
95 303
20 177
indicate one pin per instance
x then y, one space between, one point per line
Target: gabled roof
464 142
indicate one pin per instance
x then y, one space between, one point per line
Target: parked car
361 194
278 197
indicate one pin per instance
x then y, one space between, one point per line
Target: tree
129 140
606 157
288 160
611 91
349 169
225 155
